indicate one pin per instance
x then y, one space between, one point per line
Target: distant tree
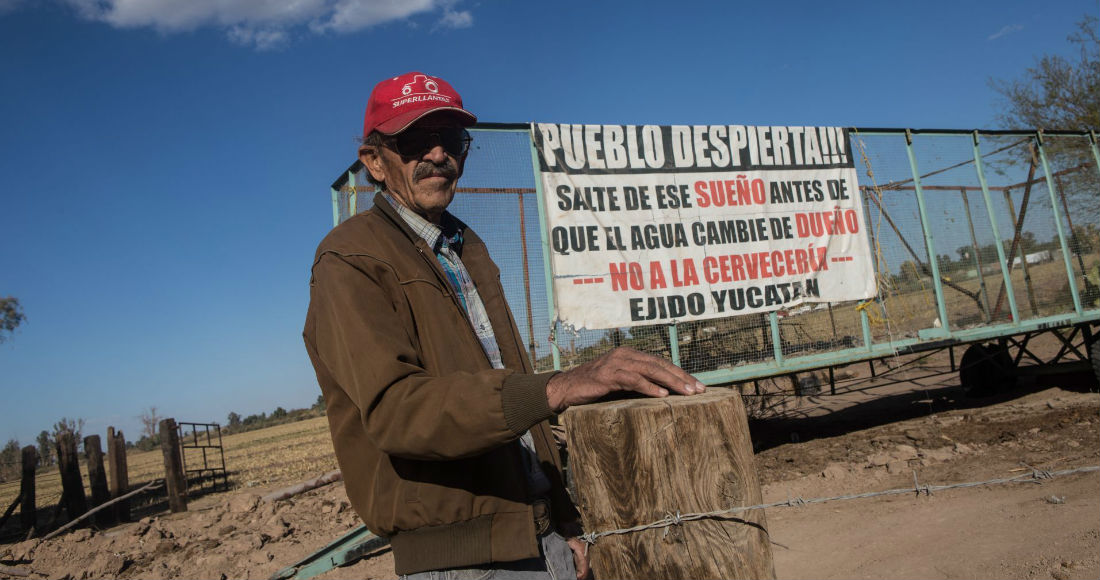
319 404
45 448
278 413
11 316
74 426
1058 93
1085 237
909 271
10 460
1061 93
147 443
233 420
150 422
1027 241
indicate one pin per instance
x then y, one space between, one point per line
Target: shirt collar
448 233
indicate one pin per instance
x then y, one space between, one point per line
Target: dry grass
275 456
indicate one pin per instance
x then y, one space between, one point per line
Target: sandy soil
873 436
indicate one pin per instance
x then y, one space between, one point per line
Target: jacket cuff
524 399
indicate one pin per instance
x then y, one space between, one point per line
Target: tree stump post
174 478
97 480
28 513
72 487
638 461
118 476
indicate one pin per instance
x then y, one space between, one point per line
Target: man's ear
371 158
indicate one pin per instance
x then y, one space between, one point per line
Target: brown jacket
425 430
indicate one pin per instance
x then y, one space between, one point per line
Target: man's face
421 165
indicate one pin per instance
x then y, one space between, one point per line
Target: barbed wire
676 519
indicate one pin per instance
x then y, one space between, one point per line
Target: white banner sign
655 224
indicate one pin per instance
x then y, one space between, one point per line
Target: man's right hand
623 369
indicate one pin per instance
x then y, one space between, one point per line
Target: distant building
1035 258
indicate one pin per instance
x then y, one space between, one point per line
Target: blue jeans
556 563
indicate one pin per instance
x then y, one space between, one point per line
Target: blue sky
164 171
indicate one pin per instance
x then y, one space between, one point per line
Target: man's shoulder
364 233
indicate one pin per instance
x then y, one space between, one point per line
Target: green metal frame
1001 258
343 551
930 247
1058 224
783 364
544 234
928 337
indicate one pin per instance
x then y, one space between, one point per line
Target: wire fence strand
677 518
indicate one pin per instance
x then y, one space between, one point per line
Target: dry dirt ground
873 436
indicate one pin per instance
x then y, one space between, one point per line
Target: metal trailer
1003 201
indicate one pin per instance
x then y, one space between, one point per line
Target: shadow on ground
816 417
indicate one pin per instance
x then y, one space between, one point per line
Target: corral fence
988 238
194 463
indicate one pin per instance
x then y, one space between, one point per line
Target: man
438 420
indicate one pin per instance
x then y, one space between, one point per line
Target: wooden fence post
97 480
174 478
638 461
119 478
71 484
28 514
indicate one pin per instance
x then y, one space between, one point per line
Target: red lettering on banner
625 276
656 275
826 223
730 192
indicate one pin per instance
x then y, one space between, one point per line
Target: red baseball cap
396 103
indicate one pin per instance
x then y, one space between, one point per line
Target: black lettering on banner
666 307
615 149
768 296
636 197
566 239
592 199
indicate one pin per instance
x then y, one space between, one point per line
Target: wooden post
28 514
638 461
97 480
72 487
118 476
175 484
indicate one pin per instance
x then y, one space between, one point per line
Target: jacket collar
449 231
388 211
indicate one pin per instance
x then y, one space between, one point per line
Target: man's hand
623 369
580 557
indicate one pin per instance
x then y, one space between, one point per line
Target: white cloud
9 5
456 19
1005 30
264 39
264 24
352 15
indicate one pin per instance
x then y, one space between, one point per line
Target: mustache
448 169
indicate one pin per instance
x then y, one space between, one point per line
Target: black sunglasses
413 143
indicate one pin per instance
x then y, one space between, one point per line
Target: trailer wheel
986 370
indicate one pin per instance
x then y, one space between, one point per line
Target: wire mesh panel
907 299
967 231
960 226
1027 226
1076 177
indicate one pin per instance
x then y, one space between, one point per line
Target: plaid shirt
446 243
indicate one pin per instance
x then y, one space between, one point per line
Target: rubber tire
986 370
